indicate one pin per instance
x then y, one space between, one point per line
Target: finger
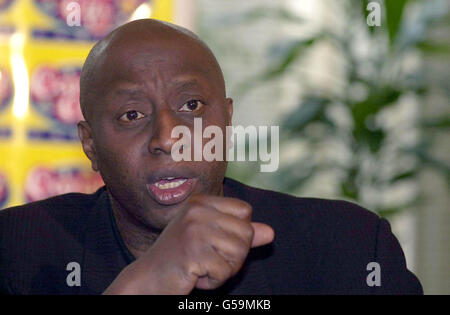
263 234
232 249
232 206
216 271
230 227
221 224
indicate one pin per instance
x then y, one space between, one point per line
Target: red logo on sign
56 93
5 88
43 183
3 190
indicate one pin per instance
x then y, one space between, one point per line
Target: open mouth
171 190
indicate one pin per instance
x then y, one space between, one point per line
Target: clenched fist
203 246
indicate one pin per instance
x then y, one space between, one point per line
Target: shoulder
311 224
35 236
288 209
62 210
327 244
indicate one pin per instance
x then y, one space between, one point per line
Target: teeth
170 185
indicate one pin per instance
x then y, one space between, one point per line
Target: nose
161 140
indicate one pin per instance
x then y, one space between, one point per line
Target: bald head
153 38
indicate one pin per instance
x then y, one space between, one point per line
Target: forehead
162 61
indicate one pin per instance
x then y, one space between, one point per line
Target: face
144 91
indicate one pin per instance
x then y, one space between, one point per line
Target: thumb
263 235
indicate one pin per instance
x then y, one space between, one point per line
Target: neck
137 237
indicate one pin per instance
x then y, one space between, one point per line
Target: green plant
375 86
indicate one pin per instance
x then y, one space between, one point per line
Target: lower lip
171 196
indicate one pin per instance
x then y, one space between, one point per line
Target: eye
191 106
131 115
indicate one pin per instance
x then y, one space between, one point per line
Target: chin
159 216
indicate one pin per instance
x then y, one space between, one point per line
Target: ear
85 135
229 101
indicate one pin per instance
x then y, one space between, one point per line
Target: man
166 227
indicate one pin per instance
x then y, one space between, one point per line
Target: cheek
212 177
219 116
215 169
119 163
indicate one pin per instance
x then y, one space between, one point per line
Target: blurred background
360 90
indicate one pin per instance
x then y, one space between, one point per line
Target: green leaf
259 14
292 54
309 110
292 178
275 13
378 99
440 123
394 12
242 171
349 188
421 151
403 176
434 48
374 139
387 212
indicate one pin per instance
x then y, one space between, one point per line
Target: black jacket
321 247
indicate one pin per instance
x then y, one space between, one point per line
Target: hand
202 247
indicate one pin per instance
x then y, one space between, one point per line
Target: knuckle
236 262
194 211
197 199
230 269
191 229
225 269
243 250
190 235
194 269
246 209
249 233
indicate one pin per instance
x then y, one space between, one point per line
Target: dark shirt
320 247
